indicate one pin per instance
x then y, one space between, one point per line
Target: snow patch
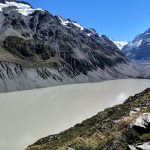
23 9
65 22
120 44
89 34
77 25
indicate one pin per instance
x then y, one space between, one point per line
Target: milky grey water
29 115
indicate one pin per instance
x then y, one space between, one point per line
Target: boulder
142 123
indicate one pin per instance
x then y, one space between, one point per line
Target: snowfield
24 9
27 116
120 44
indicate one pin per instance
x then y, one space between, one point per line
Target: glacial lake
27 116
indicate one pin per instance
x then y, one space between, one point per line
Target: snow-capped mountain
120 44
139 48
23 8
38 49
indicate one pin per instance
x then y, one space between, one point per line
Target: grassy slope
109 129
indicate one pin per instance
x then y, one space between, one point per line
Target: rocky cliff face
139 48
123 127
38 49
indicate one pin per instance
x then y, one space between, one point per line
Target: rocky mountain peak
139 48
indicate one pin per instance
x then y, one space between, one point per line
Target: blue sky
118 19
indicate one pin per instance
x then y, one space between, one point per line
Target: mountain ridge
139 48
50 50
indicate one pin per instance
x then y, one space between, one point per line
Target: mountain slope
139 48
125 126
38 49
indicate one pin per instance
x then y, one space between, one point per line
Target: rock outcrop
142 123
